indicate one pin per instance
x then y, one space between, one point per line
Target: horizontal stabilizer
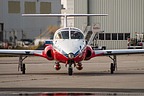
65 16
62 15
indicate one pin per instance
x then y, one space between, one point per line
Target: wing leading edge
21 52
119 52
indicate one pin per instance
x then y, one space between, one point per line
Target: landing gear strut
70 69
21 65
113 66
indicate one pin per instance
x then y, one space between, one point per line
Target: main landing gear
21 65
113 65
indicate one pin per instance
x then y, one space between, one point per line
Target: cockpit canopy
69 33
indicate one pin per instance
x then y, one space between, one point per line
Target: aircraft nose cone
70 55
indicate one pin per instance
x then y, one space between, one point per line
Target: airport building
14 26
125 19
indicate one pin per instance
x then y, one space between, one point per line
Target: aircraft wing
118 52
21 52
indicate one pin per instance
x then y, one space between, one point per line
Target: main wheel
23 68
112 68
70 71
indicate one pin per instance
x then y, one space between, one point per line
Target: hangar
125 19
13 25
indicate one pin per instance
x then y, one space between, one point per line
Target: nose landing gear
70 68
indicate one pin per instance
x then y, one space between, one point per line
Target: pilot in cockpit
76 35
62 35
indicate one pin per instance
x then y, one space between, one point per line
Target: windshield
65 34
76 35
69 34
62 35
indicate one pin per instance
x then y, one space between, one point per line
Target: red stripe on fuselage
62 58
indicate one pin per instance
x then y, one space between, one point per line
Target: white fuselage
70 44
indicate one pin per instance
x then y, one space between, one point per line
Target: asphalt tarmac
94 79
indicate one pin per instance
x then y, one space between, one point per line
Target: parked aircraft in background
69 47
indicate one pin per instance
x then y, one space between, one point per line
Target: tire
23 68
112 68
70 71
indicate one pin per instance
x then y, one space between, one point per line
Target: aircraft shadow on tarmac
80 73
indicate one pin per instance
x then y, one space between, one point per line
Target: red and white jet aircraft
69 47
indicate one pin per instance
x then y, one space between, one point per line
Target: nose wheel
70 71
70 68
